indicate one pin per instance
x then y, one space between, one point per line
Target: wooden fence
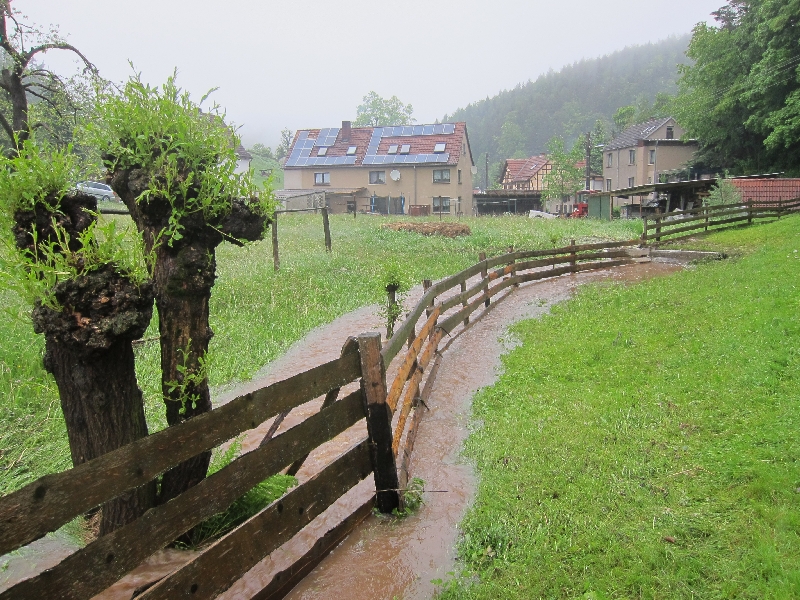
392 414
678 224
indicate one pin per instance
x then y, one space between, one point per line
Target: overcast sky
308 63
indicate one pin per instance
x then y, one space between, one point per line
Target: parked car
99 190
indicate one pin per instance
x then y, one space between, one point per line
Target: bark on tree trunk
89 353
183 276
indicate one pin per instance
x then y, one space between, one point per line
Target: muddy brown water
382 558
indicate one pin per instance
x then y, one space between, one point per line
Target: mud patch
450 230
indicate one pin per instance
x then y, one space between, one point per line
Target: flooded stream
387 558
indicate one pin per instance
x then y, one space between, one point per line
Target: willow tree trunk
89 352
183 273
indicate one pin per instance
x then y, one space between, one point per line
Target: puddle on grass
382 558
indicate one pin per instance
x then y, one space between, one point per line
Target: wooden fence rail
667 226
392 414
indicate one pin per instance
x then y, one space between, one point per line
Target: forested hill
569 102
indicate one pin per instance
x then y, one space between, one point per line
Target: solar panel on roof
427 130
449 128
418 129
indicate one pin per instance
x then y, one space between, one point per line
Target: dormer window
322 151
670 133
351 151
439 147
392 149
405 149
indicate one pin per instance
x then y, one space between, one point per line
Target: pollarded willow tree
174 166
91 298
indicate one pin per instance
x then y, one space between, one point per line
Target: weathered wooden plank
564 259
463 297
379 422
284 582
350 345
711 216
452 321
536 275
408 448
216 569
712 224
413 387
53 500
101 563
576 248
410 359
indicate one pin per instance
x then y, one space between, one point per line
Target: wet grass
642 442
256 313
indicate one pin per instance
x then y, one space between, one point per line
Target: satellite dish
474 170
395 175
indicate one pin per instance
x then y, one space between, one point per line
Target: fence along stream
392 414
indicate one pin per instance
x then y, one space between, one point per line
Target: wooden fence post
644 231
379 422
391 303
276 260
464 301
750 212
426 284
706 211
482 258
572 256
327 227
658 229
780 207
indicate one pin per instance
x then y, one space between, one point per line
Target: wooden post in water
327 226
482 258
391 303
379 422
426 284
276 260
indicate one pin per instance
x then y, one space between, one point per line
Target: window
631 157
459 176
610 159
351 151
652 157
441 204
376 177
670 133
322 151
322 178
608 185
631 182
441 176
405 148
649 180
440 147
392 149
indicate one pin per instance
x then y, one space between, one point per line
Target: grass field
643 441
257 313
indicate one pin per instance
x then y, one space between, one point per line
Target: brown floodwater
382 558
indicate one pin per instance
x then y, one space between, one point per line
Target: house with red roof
405 169
525 174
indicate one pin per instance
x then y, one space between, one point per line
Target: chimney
345 131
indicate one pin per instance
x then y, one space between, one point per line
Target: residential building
524 173
384 169
639 154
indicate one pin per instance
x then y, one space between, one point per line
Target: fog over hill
569 102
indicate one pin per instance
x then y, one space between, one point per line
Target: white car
101 191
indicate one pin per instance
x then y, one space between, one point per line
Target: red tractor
581 210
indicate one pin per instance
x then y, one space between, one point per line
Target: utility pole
588 161
486 179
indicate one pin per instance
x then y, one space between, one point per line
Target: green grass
643 441
256 314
